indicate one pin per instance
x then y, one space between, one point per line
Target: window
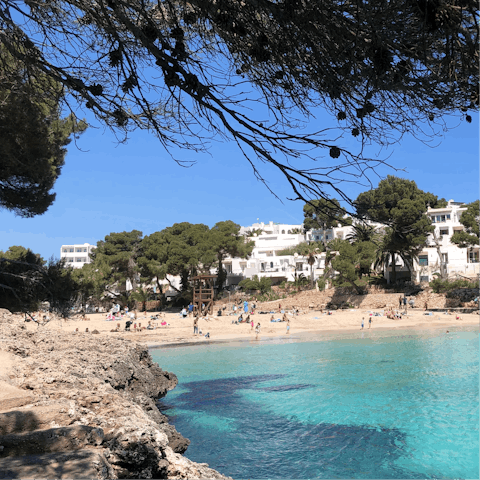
423 260
298 266
64 250
433 218
445 258
79 250
444 231
228 267
71 250
283 232
70 260
84 249
473 256
441 218
448 216
423 278
271 264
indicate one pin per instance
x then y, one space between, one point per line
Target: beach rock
92 395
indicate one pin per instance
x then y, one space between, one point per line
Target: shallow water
388 405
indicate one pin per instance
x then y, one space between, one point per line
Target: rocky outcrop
87 409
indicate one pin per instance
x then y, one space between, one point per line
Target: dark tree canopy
26 280
401 205
324 214
33 136
192 70
470 219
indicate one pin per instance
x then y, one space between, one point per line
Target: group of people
369 322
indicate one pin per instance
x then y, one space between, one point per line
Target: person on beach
245 306
279 308
195 325
400 301
190 309
257 330
363 320
369 322
426 305
251 323
288 326
184 312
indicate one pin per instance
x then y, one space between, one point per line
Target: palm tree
141 295
389 248
311 251
363 232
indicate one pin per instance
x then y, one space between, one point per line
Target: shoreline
85 406
301 336
179 331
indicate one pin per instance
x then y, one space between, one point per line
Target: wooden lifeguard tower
203 294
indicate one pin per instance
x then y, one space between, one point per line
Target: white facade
77 255
457 262
265 261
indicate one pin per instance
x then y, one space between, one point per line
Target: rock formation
76 405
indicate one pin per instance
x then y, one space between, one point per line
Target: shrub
442 286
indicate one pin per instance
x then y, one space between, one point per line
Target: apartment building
77 255
440 252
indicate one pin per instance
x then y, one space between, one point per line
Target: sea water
401 404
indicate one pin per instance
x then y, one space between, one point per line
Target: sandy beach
180 330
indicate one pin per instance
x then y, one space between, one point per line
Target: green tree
401 205
20 276
90 282
226 241
142 294
363 232
324 214
183 249
26 280
381 69
116 259
345 263
34 136
262 285
470 219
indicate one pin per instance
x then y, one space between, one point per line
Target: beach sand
180 330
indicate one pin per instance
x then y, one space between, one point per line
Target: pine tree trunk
394 271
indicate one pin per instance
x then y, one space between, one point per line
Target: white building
271 238
76 256
264 261
460 262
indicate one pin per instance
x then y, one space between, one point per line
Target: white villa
77 255
459 262
264 261
272 238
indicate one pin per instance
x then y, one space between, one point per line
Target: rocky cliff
78 405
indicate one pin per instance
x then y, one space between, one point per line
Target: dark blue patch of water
260 444
285 388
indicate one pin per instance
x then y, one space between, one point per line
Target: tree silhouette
194 70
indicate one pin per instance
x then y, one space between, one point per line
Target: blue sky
106 187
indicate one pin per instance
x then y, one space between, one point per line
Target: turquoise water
401 405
